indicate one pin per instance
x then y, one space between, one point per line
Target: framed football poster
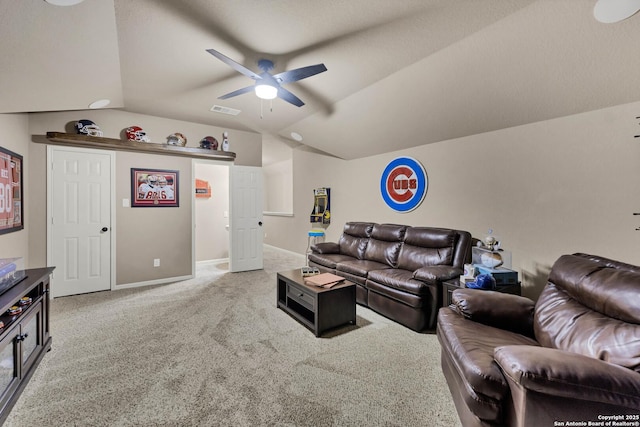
154 188
11 192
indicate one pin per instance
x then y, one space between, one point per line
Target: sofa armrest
435 274
561 373
500 310
326 248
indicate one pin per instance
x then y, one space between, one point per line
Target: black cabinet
25 336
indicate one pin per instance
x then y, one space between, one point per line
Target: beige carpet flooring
215 351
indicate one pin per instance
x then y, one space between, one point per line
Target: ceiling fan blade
289 97
233 64
237 92
300 73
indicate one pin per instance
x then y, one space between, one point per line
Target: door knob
104 229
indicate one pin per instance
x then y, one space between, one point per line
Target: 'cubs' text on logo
403 184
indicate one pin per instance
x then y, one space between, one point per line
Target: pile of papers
324 280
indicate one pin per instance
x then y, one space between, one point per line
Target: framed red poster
11 192
154 188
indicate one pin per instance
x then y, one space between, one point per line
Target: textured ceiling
400 73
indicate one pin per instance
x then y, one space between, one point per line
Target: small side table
451 285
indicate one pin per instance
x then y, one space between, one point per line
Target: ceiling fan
269 86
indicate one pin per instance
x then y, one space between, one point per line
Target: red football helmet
135 133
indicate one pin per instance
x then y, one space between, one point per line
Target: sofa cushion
591 308
359 267
328 260
384 244
425 246
354 238
563 323
416 302
610 290
470 346
399 279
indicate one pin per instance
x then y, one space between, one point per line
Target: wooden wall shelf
76 140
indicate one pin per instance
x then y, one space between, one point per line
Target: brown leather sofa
573 356
398 269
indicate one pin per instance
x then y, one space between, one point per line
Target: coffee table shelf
318 309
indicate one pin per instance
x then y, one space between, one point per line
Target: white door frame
232 212
112 233
193 204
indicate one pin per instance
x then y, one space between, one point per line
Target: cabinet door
9 364
31 337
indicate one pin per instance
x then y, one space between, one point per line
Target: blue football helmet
87 127
483 281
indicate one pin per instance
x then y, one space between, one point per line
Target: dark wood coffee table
319 309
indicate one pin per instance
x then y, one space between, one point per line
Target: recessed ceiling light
610 11
296 136
64 2
99 103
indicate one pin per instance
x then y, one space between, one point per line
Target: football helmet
177 139
135 133
87 127
209 143
152 180
483 281
162 180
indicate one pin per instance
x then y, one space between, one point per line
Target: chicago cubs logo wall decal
403 184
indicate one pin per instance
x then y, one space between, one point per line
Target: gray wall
15 138
211 214
546 189
142 234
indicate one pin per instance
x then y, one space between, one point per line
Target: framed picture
11 192
154 188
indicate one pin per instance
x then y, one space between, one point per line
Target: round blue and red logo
403 184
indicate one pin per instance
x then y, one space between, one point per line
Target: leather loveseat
398 269
571 358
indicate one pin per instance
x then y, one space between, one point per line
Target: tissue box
466 279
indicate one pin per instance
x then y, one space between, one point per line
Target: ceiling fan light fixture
266 91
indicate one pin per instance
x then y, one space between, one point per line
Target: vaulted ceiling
400 73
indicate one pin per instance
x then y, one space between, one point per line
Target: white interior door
80 211
245 218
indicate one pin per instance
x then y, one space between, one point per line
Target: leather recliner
573 356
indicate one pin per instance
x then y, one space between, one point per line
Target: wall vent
225 110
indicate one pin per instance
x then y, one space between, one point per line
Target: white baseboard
212 261
154 282
303 256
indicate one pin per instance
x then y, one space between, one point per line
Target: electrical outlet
156 262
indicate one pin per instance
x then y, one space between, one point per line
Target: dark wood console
25 337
